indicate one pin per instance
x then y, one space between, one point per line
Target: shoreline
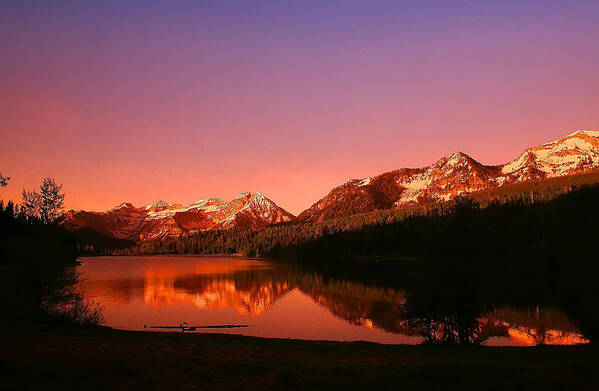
52 356
174 255
483 345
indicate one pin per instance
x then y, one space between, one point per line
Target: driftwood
186 327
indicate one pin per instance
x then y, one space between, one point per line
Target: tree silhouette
30 205
47 205
3 180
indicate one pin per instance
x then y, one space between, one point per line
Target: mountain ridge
161 219
451 176
454 175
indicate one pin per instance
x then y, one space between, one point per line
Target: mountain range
451 176
455 175
161 219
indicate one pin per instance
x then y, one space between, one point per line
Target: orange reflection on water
224 290
281 302
531 337
534 326
214 294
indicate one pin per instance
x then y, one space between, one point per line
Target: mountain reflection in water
281 301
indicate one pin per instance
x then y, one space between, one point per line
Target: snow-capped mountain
454 175
574 153
447 178
162 219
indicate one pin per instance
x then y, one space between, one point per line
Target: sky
141 101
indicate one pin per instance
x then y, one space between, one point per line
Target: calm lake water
280 301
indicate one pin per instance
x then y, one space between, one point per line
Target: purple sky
182 100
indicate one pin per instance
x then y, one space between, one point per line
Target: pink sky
186 102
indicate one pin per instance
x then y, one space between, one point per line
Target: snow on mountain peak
206 202
591 133
250 194
254 200
158 205
457 174
125 205
364 182
576 152
160 219
456 159
450 176
458 156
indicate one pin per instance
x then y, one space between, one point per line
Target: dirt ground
50 357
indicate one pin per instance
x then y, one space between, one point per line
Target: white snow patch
558 157
123 205
364 182
592 133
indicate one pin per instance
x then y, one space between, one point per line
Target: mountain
447 178
455 175
572 154
162 219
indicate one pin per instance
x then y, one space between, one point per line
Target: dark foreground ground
101 358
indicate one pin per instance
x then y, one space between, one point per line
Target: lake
278 300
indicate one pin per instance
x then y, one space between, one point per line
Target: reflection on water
281 301
532 327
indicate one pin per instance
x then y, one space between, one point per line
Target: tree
52 201
47 205
30 205
3 180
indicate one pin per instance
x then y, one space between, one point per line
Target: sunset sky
180 100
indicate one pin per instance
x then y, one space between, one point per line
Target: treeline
561 228
90 242
37 259
265 241
279 240
34 257
30 239
459 265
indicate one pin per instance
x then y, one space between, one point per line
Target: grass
98 358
